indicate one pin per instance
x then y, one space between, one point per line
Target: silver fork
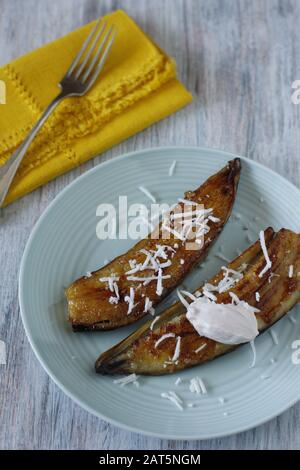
81 75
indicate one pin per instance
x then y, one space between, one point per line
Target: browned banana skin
88 298
138 354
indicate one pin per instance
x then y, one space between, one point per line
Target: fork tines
90 59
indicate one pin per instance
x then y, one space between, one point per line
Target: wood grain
239 59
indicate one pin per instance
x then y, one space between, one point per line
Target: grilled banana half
134 283
274 293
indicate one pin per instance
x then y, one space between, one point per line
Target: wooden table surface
239 59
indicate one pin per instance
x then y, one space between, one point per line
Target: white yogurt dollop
233 323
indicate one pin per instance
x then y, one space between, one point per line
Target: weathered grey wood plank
239 58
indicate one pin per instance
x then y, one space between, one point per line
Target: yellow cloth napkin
137 87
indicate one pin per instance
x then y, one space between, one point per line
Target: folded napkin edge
151 76
115 133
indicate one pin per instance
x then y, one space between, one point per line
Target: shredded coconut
147 279
126 380
148 306
130 300
214 219
153 323
200 348
188 202
202 386
174 398
178 381
110 280
177 349
147 193
197 386
265 253
274 337
163 338
172 168
254 354
115 300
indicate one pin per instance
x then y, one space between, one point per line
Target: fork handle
9 169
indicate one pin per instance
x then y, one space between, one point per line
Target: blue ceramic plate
64 245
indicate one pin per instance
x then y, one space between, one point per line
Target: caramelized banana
277 294
111 297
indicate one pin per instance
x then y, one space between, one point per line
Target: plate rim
26 326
